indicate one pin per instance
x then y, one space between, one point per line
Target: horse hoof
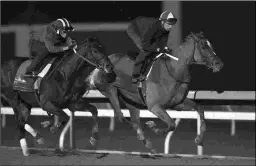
199 141
150 124
121 119
40 141
53 129
159 132
45 124
93 141
25 152
153 151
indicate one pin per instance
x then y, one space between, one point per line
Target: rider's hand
73 45
73 42
69 41
167 50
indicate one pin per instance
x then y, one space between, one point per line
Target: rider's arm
50 45
146 39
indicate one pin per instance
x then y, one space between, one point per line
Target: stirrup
33 75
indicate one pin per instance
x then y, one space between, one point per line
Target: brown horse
166 85
61 88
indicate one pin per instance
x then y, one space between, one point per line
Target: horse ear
201 32
85 38
193 34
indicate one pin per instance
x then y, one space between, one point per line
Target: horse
61 88
166 85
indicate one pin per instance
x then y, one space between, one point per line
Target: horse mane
192 35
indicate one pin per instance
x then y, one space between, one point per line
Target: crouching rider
50 39
150 35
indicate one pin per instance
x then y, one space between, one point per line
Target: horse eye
95 51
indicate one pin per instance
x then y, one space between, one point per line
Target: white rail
202 95
248 116
210 95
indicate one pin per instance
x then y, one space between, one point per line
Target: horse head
202 52
93 52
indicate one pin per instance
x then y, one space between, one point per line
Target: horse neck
180 69
71 65
172 69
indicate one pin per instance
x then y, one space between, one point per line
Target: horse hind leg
189 105
22 112
25 111
83 105
161 113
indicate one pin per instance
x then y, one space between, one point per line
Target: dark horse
61 88
166 85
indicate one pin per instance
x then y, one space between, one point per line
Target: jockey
50 39
150 35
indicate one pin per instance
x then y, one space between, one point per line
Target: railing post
112 119
63 134
3 118
72 139
199 148
233 123
1 127
168 138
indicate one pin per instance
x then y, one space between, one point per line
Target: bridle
93 63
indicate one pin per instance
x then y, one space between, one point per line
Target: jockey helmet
168 17
63 24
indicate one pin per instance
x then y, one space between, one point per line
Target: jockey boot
137 76
31 69
30 74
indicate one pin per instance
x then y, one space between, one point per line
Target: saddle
30 84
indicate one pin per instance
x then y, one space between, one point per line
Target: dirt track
14 157
217 142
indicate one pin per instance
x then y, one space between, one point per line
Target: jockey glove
167 50
73 45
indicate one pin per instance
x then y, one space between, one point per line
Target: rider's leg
40 52
139 63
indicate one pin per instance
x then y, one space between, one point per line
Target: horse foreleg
189 105
135 122
111 94
83 105
161 113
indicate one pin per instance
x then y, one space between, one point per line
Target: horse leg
22 112
135 122
83 104
111 94
189 105
25 111
161 113
51 108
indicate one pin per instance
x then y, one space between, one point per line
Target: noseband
95 64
